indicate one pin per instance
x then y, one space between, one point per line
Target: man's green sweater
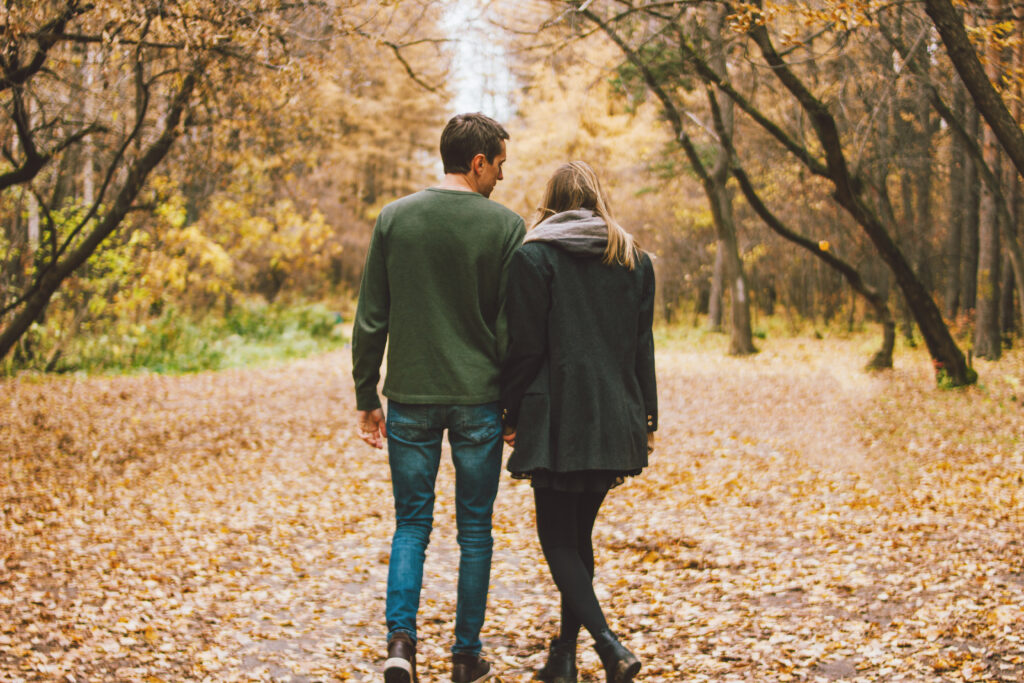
433 292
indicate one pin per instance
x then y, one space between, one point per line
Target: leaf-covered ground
801 521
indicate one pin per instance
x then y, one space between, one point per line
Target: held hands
372 427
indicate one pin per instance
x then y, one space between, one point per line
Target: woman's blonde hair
575 186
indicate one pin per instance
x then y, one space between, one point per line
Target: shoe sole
398 670
626 675
486 675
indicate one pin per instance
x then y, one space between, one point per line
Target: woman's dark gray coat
578 383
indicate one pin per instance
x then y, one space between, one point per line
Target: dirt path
800 521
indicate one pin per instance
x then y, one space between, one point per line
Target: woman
578 392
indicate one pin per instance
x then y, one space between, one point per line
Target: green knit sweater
433 293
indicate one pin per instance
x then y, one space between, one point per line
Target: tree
672 24
37 43
850 189
988 339
728 267
964 57
98 96
981 171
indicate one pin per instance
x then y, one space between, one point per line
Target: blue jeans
414 453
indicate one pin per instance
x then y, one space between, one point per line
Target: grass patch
253 333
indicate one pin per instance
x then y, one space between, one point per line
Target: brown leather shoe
469 669
400 666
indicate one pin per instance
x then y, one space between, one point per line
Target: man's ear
478 163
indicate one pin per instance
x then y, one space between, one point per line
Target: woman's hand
509 435
650 442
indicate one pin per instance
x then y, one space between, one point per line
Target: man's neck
456 181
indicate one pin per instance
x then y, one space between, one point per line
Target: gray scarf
581 232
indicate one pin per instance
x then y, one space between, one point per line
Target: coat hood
580 231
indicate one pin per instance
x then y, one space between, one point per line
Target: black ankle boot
620 665
561 664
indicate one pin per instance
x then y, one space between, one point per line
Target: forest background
183 180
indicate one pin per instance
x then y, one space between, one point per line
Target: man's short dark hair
467 135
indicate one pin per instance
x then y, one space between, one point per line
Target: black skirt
583 481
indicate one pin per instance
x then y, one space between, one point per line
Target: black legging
565 522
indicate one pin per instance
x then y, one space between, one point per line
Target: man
433 289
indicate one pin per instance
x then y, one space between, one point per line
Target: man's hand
650 442
509 435
372 427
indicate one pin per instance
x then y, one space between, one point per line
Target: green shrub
175 342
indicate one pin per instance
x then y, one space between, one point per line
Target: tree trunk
1007 309
1009 288
714 183
1006 205
988 338
971 220
741 338
89 110
923 224
718 278
957 200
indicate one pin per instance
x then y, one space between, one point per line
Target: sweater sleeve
527 307
645 346
370 330
509 249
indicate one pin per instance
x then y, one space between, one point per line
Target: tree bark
883 358
1006 206
877 300
1010 286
